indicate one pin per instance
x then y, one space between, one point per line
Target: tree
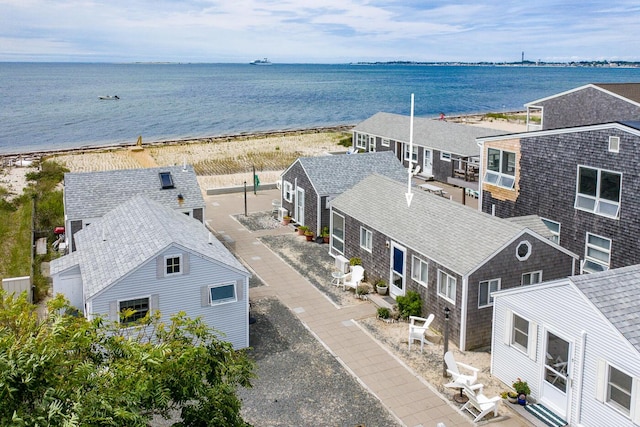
65 370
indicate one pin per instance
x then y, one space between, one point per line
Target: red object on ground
58 230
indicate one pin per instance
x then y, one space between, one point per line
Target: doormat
545 415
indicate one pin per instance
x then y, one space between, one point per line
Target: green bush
383 312
409 304
355 261
347 141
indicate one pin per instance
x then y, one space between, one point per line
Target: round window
523 251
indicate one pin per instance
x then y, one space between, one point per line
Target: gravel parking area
299 382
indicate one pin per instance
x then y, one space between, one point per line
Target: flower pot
522 399
309 237
382 290
325 239
301 231
286 221
512 399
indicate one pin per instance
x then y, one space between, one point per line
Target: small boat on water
109 97
264 61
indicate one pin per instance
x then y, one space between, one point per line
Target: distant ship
264 61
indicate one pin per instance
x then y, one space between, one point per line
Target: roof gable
134 233
93 194
432 225
436 134
332 175
629 92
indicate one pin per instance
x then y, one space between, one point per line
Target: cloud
316 31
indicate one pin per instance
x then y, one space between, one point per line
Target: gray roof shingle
131 235
616 294
332 175
437 134
93 194
434 226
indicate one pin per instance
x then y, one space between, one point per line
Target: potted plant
286 220
511 396
381 287
302 229
522 388
384 313
325 234
309 235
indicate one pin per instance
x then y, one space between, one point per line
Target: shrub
355 261
409 304
383 312
521 387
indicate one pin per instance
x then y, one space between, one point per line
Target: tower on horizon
522 60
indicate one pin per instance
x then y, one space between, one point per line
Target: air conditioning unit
342 264
282 212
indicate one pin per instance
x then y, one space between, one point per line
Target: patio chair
480 405
418 327
275 205
353 278
460 380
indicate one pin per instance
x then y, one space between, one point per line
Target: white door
427 162
556 382
372 143
398 267
299 214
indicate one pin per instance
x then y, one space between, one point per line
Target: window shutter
635 401
533 340
113 311
601 379
154 303
186 267
204 296
239 289
508 323
160 267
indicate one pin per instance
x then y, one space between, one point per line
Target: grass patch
15 240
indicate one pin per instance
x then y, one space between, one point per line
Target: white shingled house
146 256
576 341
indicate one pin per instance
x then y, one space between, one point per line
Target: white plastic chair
418 327
459 379
480 405
353 278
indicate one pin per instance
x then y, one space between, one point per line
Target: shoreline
38 154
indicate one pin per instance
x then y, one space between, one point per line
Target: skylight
166 180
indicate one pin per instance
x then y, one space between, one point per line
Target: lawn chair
418 327
478 404
459 380
353 278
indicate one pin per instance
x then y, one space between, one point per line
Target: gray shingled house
585 105
310 183
576 341
90 195
146 256
582 180
452 255
445 151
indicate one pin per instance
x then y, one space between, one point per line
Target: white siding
182 293
69 283
564 310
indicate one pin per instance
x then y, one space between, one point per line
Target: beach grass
15 240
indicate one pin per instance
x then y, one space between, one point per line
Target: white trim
598 201
614 144
455 285
286 184
529 250
579 88
489 293
587 246
417 279
444 158
180 265
530 273
332 237
118 309
554 233
385 142
370 239
224 301
577 129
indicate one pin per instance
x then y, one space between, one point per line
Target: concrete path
401 391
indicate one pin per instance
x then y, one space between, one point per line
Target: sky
318 31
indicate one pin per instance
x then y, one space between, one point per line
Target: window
597 254
445 156
554 228
140 309
614 144
337 233
385 142
520 333
501 168
366 239
487 287
172 264
531 278
166 180
221 294
523 251
361 140
413 156
287 191
598 191
447 286
419 270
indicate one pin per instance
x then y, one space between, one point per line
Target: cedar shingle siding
547 187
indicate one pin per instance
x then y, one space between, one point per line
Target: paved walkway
405 395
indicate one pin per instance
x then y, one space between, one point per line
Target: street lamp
446 340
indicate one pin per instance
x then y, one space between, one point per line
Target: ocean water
49 106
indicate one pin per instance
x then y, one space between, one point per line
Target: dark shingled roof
627 90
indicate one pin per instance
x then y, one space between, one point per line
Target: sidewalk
405 395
